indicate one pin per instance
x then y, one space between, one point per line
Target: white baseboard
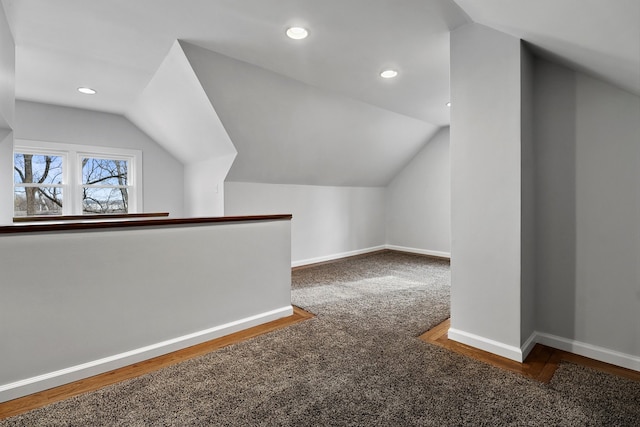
589 350
510 352
332 257
74 373
438 254
572 346
528 345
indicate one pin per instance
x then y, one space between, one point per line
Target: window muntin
93 180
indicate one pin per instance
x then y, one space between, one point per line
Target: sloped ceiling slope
597 37
115 46
310 112
175 111
290 132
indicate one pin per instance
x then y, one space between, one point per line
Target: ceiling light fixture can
87 90
448 104
297 33
388 74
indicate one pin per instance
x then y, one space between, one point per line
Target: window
38 184
104 185
63 179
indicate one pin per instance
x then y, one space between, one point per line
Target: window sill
58 218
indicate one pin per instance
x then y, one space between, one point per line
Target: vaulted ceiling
597 37
313 111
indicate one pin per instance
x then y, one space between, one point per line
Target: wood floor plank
551 366
437 332
46 397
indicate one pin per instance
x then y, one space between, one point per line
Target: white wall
608 216
555 181
204 186
327 221
127 295
6 179
7 74
418 201
527 196
7 113
588 151
162 174
486 190
175 111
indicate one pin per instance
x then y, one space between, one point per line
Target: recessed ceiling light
448 104
388 74
297 33
87 90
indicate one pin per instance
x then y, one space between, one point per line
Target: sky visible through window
39 185
104 185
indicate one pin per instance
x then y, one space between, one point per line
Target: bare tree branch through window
105 186
37 184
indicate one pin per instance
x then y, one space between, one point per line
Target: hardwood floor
540 365
37 400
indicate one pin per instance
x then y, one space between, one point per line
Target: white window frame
72 155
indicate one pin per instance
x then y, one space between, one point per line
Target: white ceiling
117 46
598 37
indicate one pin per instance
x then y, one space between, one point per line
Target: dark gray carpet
358 363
